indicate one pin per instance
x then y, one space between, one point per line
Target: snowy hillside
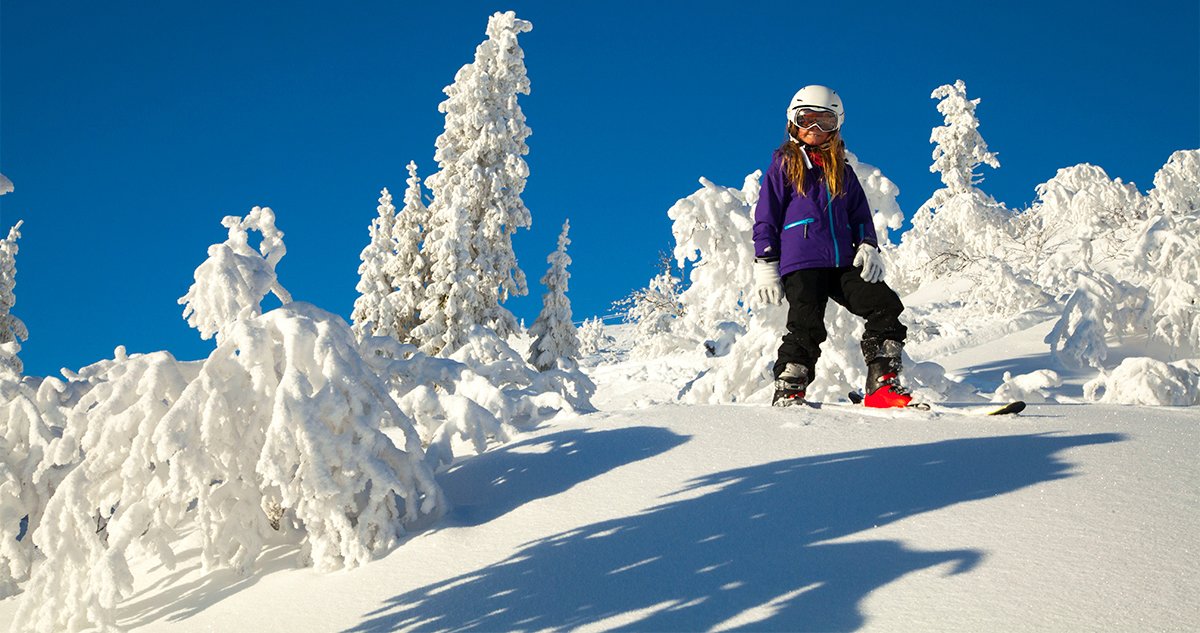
434 464
651 515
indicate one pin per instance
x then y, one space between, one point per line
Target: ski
1013 407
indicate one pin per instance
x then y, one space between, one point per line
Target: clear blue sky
131 128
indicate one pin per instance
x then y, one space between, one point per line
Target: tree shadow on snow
499 481
746 548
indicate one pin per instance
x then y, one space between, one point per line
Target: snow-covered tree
231 283
480 180
592 337
281 428
553 332
959 224
1082 221
30 420
374 312
409 269
1165 255
12 329
959 148
712 229
654 311
452 303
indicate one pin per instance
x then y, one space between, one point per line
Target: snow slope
657 516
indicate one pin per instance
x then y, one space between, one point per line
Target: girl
814 240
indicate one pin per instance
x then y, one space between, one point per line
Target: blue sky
131 128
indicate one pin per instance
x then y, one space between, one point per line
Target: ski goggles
807 119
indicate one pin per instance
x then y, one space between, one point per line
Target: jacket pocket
805 222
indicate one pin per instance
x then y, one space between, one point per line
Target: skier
814 240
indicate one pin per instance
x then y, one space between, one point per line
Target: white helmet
817 98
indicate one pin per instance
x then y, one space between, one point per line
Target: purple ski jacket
809 231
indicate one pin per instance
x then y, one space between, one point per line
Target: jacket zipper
805 222
837 256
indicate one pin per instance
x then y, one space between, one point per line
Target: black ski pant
809 290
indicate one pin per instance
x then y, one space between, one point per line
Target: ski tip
1016 406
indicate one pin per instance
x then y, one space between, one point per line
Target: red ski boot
883 385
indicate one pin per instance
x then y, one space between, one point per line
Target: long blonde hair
833 160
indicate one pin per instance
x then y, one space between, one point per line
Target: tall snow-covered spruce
477 193
409 269
555 341
374 313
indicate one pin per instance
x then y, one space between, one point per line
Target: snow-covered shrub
30 421
112 495
1082 221
654 312
530 395
997 289
555 342
1101 305
480 397
374 312
232 282
712 228
477 192
1032 387
12 329
592 337
1147 381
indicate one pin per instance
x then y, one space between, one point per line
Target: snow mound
1147 381
1031 387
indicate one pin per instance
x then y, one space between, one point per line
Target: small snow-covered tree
231 283
959 148
712 229
374 312
553 332
959 224
12 329
482 175
409 269
592 337
654 311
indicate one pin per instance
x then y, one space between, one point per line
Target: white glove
767 286
871 261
